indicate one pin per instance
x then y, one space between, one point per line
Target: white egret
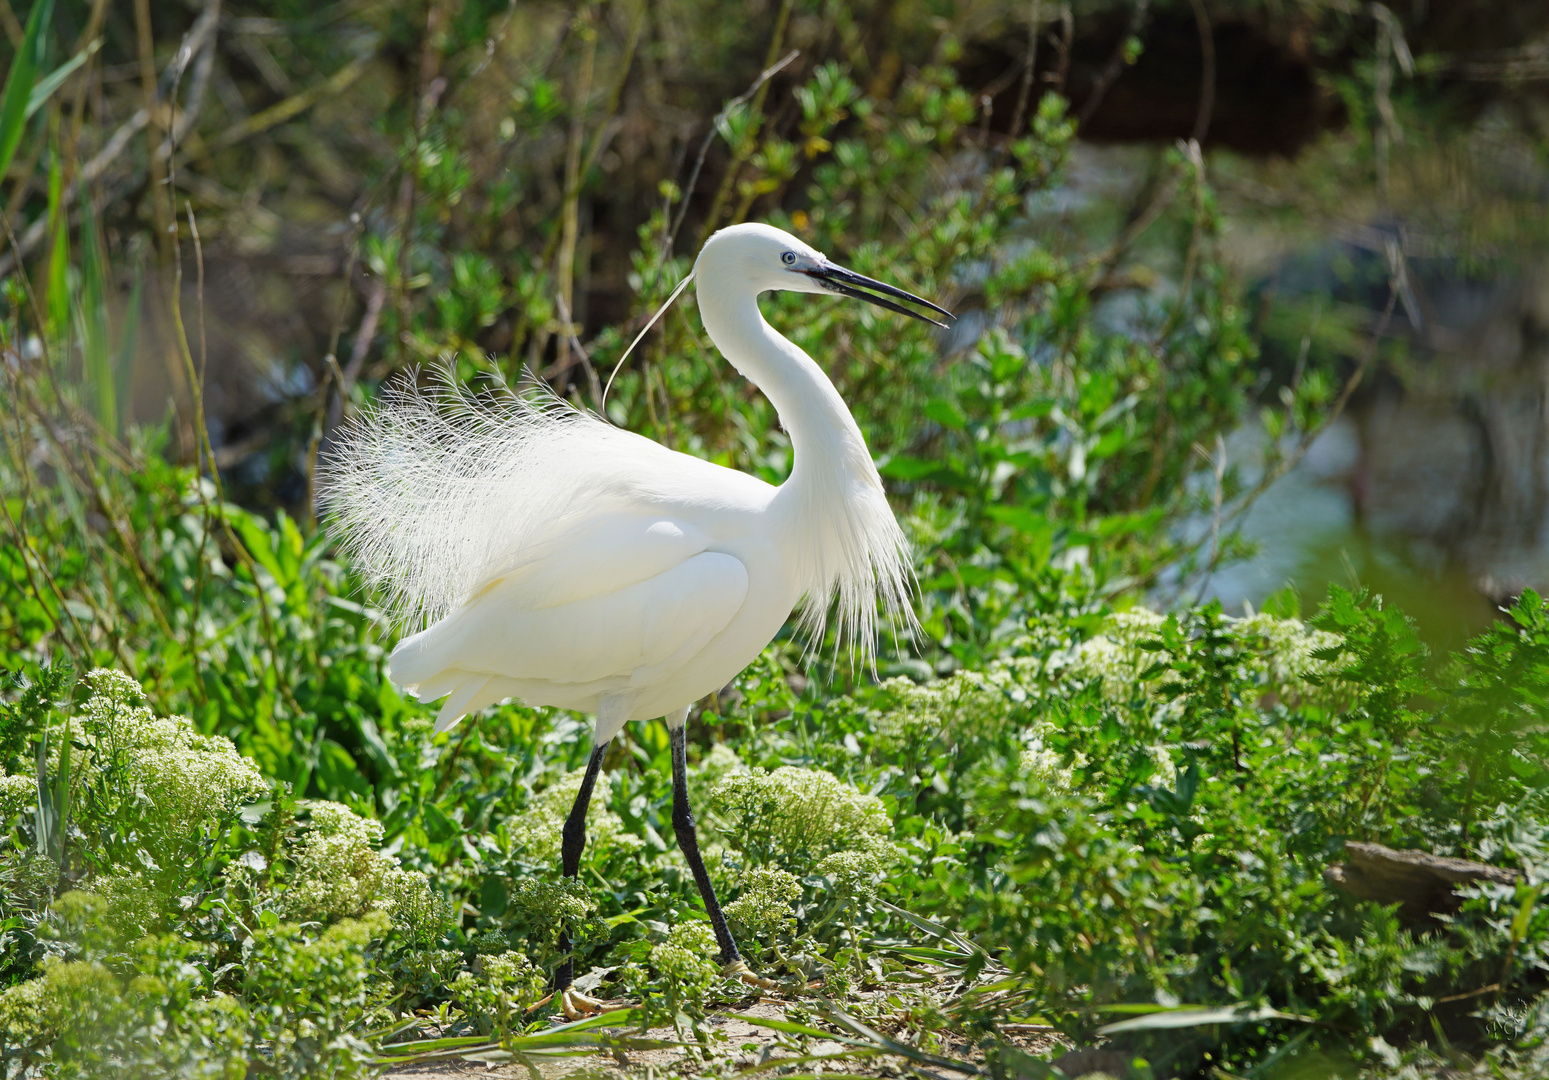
564 562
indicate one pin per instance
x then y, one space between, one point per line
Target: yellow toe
740 969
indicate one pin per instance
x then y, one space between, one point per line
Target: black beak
838 279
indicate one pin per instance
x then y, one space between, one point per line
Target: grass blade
790 1027
18 83
57 296
128 341
871 1036
856 1054
1196 1017
55 79
93 315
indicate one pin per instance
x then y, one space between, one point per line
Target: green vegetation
231 848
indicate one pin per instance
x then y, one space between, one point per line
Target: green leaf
904 467
43 828
1193 1016
55 79
947 413
1519 922
790 1027
18 83
53 813
92 315
1022 520
259 539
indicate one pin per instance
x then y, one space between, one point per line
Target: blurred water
1307 509
1308 531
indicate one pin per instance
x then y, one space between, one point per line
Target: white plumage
554 558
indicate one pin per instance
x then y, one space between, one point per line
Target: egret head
769 258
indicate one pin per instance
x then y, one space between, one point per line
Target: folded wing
621 602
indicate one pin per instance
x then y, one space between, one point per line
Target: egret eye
789 258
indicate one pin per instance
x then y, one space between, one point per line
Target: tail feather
461 702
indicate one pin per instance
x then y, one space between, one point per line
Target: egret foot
576 1005
739 968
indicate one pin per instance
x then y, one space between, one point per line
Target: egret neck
829 503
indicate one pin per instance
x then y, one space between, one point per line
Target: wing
596 556
579 617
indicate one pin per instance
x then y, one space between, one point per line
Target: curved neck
842 545
824 436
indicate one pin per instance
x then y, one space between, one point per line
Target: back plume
436 490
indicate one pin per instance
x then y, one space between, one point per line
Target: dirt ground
745 1045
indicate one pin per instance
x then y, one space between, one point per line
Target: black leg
688 840
572 843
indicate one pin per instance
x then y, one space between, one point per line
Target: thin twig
1492 988
200 578
1215 516
1192 154
1115 64
1109 257
85 474
19 535
740 153
335 389
606 130
13 28
152 108
215 509
1245 501
581 356
1025 93
704 149
288 109
570 216
1061 73
1207 72
429 88
82 80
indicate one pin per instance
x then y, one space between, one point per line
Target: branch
1115 63
288 109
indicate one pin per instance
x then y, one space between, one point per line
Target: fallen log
1424 884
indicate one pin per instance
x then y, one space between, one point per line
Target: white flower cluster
967 705
421 913
684 958
767 905
1277 652
133 904
17 793
505 984
797 816
720 761
1044 766
1115 657
855 873
24 1010
537 831
1288 648
338 872
188 782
